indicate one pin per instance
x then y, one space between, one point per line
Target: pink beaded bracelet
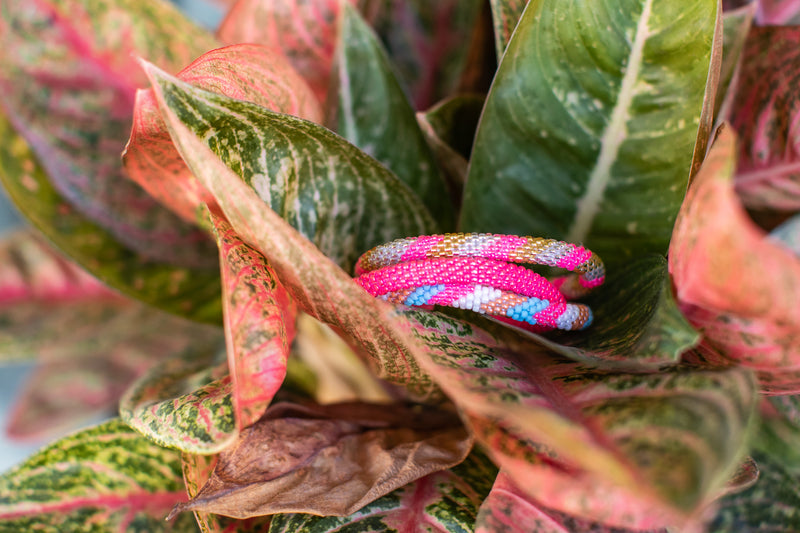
475 271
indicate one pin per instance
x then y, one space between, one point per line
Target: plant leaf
305 32
329 460
507 509
764 114
72 101
735 28
246 72
770 505
603 134
108 476
739 289
319 287
676 453
259 324
437 48
778 12
449 128
505 16
371 111
193 293
446 501
322 185
185 402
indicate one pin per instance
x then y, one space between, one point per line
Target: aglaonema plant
199 202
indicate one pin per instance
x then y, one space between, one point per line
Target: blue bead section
423 294
589 320
524 312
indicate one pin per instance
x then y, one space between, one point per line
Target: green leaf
772 504
371 111
259 324
505 15
447 501
763 114
735 28
108 477
72 100
194 293
591 124
184 402
342 200
449 128
680 433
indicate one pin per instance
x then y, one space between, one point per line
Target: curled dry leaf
245 72
735 285
765 115
329 460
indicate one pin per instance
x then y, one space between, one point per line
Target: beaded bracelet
475 271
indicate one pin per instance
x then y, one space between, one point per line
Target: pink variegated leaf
505 15
245 72
735 285
259 324
765 115
303 31
777 12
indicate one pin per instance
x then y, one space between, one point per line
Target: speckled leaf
190 292
305 31
732 283
329 460
505 15
108 476
371 111
637 323
607 109
319 287
449 128
437 47
342 200
778 12
680 434
185 402
508 510
246 72
445 502
89 350
72 101
259 324
735 29
772 504
764 114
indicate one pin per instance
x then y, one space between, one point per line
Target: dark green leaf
590 127
371 111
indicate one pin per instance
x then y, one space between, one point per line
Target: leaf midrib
588 206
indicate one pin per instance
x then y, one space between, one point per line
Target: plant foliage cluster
197 202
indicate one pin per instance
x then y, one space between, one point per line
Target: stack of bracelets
476 271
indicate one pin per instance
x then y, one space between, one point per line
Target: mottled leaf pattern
681 433
189 292
319 287
72 101
764 114
371 111
436 47
590 126
338 197
245 72
735 285
735 29
304 31
329 460
778 12
259 324
108 477
505 15
184 402
444 502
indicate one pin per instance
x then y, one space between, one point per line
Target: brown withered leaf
329 460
